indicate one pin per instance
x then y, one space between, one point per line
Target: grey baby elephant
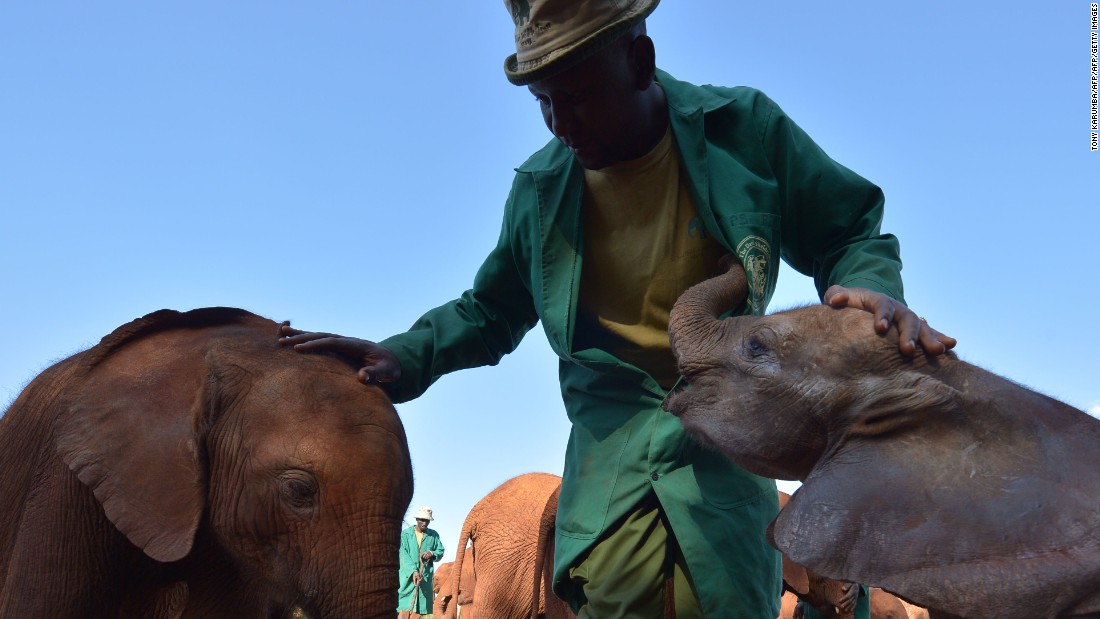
953 487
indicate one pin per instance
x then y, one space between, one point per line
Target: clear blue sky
344 165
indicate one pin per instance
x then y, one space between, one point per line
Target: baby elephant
953 487
188 466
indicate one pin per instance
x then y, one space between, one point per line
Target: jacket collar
688 99
559 184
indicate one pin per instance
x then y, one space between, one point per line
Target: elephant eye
299 489
755 347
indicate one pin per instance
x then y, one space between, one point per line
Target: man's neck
659 114
654 120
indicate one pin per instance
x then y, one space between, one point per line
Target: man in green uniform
419 550
647 182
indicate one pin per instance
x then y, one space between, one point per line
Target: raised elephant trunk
693 326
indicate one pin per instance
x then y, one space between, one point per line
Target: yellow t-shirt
643 246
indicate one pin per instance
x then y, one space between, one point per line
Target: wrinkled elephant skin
188 466
511 544
441 582
824 594
952 487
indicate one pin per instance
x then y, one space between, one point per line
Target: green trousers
625 574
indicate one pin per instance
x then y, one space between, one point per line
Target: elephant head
256 481
946 484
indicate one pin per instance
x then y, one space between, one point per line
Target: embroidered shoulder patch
754 253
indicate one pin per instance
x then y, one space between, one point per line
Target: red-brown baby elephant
511 535
952 487
463 603
189 466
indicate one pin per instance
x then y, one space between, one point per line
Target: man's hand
426 556
914 333
380 365
416 578
847 602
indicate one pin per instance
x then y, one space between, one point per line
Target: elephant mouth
298 610
685 407
678 403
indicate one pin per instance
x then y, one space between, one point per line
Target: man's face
593 107
421 524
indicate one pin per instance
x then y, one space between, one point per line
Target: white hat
424 513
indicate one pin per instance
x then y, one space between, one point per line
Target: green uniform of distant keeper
418 553
647 182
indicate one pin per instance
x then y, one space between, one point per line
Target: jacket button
654 476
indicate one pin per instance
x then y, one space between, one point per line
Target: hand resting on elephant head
953 487
188 466
915 335
380 365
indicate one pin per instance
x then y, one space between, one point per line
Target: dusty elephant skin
824 594
187 466
952 487
511 535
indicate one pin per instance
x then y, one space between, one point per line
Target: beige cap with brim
555 35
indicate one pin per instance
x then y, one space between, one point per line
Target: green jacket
409 562
765 191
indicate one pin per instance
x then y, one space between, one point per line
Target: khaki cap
554 35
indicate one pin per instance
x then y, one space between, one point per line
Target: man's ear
644 57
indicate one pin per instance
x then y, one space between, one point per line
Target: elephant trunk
363 584
375 597
694 330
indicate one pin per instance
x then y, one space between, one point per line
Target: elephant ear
794 575
935 496
840 522
128 429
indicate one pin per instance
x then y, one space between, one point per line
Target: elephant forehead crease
362 427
